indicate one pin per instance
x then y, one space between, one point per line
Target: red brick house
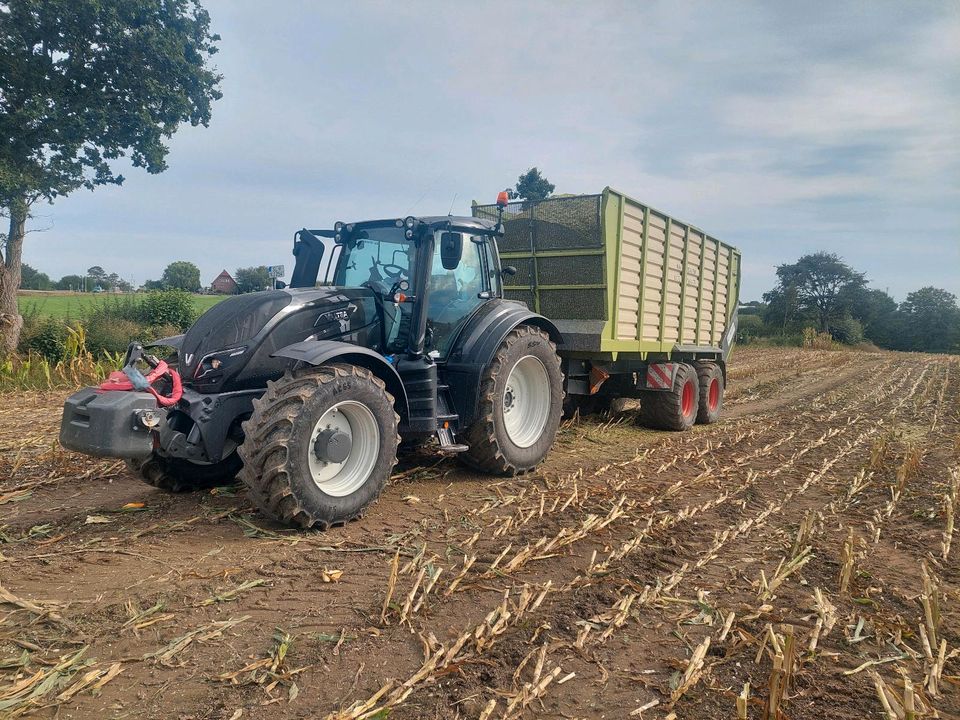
224 284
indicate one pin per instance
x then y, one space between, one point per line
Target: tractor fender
476 345
174 341
322 352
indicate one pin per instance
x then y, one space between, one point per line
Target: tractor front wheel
320 445
179 475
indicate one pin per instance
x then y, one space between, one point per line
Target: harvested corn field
795 560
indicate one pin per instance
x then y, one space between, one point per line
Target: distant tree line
179 275
821 291
95 277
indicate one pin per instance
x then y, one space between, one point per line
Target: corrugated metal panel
690 303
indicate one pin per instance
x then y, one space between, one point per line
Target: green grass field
72 305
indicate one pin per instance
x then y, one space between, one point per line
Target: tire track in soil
352 606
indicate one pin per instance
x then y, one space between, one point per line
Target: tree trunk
10 263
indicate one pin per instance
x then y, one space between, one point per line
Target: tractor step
448 444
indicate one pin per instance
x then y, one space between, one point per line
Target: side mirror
280 285
451 249
508 271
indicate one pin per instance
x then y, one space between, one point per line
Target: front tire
521 400
320 445
179 475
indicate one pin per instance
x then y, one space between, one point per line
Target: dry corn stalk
846 561
949 510
931 604
804 532
694 669
742 699
391 586
826 618
785 569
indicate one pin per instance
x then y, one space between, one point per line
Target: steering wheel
393 270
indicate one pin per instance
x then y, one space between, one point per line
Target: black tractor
391 330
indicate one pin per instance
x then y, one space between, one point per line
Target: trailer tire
518 380
675 409
178 475
301 473
710 379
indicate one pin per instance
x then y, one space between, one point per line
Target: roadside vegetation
72 350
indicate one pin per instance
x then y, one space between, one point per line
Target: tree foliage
532 185
181 275
70 282
252 279
31 279
82 84
931 321
819 282
822 288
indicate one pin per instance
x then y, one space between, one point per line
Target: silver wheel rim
526 401
344 478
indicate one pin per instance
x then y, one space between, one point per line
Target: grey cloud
783 128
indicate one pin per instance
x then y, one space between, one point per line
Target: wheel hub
344 448
526 401
332 446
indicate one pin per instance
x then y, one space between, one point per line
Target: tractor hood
235 338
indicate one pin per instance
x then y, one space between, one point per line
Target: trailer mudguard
321 352
475 346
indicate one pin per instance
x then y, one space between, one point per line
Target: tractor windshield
376 257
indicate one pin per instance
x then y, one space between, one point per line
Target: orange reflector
597 378
400 297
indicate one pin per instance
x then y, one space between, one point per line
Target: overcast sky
781 127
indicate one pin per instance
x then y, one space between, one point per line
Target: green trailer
644 302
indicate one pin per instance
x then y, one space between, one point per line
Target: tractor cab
428 275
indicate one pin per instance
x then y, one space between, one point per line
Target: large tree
931 321
82 84
181 275
532 185
819 282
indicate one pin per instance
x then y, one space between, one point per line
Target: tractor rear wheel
521 399
320 445
675 409
710 379
179 475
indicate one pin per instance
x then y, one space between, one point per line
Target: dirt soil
803 545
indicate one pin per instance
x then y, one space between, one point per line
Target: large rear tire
675 409
320 445
521 400
710 379
179 475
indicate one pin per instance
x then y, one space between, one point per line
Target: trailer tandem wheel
320 445
710 378
674 409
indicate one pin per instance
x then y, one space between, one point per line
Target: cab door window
455 294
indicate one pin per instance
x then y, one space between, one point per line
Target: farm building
224 284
